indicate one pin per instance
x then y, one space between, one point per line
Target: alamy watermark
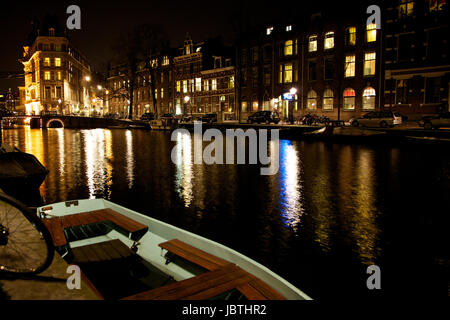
374 280
213 153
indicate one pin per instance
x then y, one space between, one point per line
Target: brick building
118 84
204 79
333 63
417 57
56 74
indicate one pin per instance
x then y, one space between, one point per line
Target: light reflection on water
327 201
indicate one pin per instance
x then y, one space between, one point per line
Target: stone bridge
63 121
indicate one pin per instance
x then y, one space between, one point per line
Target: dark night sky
102 21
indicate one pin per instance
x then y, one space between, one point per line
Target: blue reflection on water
290 185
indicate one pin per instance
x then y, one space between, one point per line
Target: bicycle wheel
26 246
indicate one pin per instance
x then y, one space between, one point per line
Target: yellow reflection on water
129 158
365 232
183 164
94 141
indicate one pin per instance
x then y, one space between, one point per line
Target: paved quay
49 285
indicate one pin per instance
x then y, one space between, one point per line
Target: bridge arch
49 122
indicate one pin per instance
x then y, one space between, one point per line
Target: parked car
381 119
208 118
148 116
436 122
264 117
168 116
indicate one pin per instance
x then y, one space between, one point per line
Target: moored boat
127 255
20 169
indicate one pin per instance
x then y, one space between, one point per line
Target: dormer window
269 30
51 32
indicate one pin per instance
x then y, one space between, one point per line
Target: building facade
57 76
147 96
204 79
332 65
417 57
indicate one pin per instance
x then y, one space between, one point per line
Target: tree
138 50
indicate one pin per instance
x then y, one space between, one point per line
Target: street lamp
186 100
99 87
87 78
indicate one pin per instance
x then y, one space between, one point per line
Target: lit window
58 75
329 40
312 100
288 28
192 82
328 97
206 85
350 66
369 63
47 75
198 84
406 8
244 106
436 5
231 82
165 61
288 72
57 62
312 44
185 86
350 36
371 33
288 47
369 99
162 93
178 86
47 62
269 30
214 84
349 99
156 93
281 74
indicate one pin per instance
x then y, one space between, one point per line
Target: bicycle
26 245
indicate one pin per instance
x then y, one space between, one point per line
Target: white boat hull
159 232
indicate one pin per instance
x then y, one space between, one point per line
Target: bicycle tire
44 243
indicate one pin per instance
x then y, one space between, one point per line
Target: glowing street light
293 91
87 78
99 87
186 99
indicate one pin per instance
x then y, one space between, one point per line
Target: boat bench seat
194 255
56 225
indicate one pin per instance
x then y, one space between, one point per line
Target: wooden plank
250 292
265 289
121 221
116 249
125 222
200 253
217 289
178 290
54 226
190 253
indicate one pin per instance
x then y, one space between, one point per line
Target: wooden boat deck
56 225
102 251
222 277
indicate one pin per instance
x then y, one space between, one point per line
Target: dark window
401 93
404 47
312 70
432 90
267 53
329 68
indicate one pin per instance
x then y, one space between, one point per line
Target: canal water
330 211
